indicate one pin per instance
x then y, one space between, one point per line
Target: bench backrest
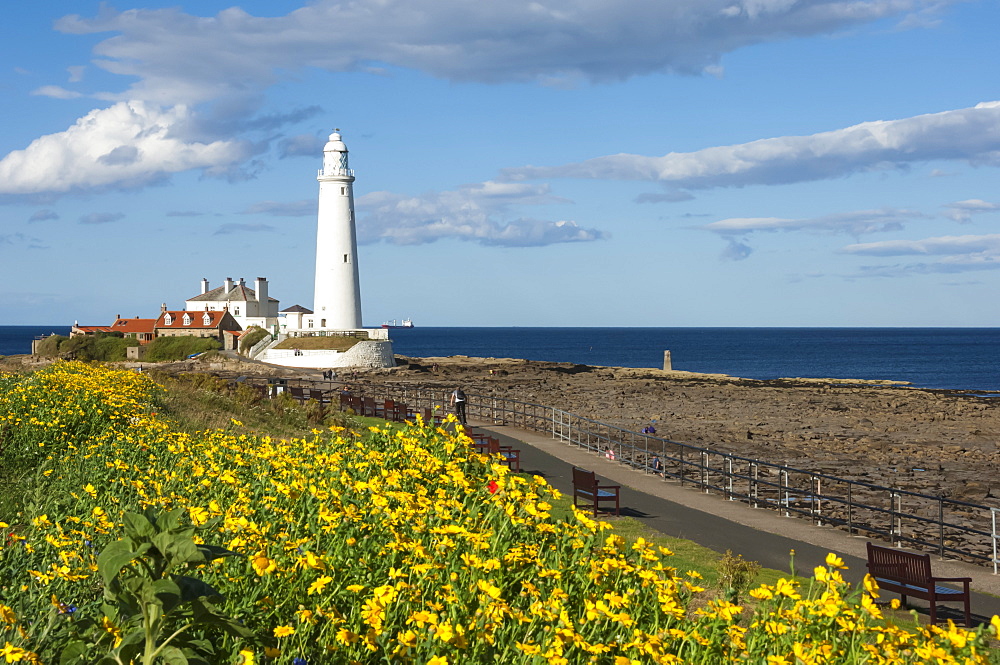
898 565
584 478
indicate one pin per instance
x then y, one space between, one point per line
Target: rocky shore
940 442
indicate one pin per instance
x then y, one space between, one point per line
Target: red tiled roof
197 320
133 326
92 329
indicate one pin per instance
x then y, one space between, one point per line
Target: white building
250 307
337 296
337 309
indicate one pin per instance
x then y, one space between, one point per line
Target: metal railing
948 527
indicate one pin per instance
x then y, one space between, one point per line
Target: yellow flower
284 631
198 515
262 565
247 657
835 561
319 584
438 660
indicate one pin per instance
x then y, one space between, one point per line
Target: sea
946 358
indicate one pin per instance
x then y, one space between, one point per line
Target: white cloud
941 255
127 145
55 92
178 57
852 223
178 61
980 245
962 211
970 134
478 213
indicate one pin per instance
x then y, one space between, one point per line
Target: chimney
229 284
204 285
117 316
260 286
242 283
163 308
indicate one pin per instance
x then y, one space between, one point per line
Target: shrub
178 348
253 335
736 575
49 346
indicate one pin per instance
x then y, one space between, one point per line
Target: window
207 319
310 323
168 320
347 258
322 323
187 319
236 311
343 191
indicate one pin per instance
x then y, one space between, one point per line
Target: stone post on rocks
666 362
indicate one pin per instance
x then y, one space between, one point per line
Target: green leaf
192 588
168 593
164 543
212 552
187 552
173 656
114 557
72 652
131 646
171 520
137 526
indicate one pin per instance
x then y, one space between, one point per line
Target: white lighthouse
338 289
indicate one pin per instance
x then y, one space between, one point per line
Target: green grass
253 335
164 349
196 402
329 343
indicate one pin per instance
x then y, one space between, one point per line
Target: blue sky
546 163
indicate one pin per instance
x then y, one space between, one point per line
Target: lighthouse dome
334 144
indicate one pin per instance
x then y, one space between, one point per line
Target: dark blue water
17 339
960 358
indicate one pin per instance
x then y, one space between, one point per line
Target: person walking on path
458 401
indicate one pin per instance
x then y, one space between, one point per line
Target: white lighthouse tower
338 289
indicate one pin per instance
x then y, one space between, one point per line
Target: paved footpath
712 521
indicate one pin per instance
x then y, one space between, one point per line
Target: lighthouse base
368 353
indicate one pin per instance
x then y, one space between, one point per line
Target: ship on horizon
405 323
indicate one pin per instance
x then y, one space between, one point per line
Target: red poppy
493 487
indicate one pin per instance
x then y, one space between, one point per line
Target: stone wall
366 353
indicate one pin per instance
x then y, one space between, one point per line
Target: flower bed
341 547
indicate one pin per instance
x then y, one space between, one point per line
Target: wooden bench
909 574
585 487
511 456
319 396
